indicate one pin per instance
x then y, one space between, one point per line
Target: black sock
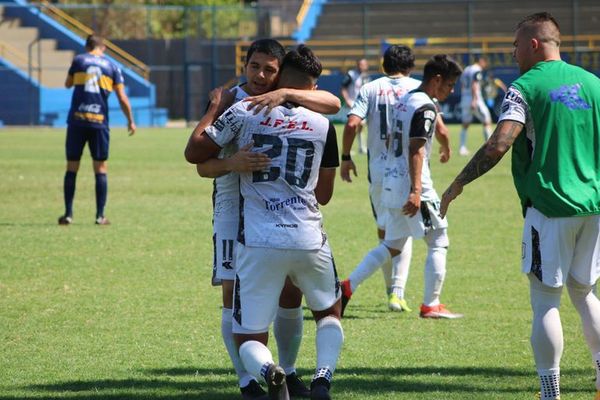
69 192
101 192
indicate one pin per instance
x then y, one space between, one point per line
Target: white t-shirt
375 102
415 118
226 190
473 73
278 205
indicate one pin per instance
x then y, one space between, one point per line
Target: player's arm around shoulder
320 101
220 99
329 162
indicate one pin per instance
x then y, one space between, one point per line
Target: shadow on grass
219 384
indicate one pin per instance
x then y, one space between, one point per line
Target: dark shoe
275 378
65 220
253 391
346 294
102 221
296 388
319 389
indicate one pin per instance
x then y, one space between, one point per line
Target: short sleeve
422 122
118 76
330 152
360 108
347 80
514 107
228 126
74 66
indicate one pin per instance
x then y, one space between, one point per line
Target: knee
577 291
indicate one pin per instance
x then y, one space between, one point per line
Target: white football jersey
226 189
278 208
375 102
353 81
414 117
473 73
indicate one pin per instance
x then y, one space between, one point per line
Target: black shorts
97 139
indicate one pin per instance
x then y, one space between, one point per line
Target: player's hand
266 101
445 154
131 128
248 161
413 204
345 169
453 191
474 105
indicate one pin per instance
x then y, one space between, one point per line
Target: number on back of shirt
294 174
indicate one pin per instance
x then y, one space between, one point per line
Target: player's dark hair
93 41
442 65
270 47
398 59
536 26
302 60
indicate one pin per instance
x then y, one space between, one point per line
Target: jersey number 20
293 146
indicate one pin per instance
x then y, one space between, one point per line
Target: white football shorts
225 231
398 225
554 248
481 112
375 190
261 274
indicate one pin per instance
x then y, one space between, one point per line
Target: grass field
127 311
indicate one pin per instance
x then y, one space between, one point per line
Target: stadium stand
37 44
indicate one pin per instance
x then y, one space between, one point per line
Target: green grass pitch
127 311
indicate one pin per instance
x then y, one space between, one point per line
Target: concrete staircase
38 58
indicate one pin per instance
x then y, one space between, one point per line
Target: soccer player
472 102
409 201
551 118
280 232
94 78
351 84
375 102
262 70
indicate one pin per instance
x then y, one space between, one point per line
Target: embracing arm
244 160
324 188
484 160
320 101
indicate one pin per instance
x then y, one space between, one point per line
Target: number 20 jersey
278 207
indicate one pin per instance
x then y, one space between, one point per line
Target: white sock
256 357
287 329
463 138
546 329
329 338
386 270
487 132
588 306
549 383
435 272
372 261
400 269
227 335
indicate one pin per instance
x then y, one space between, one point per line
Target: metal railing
82 30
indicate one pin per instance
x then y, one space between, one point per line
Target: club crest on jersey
286 124
569 96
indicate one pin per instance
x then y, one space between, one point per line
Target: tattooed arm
484 160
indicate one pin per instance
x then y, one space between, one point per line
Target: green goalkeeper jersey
556 159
